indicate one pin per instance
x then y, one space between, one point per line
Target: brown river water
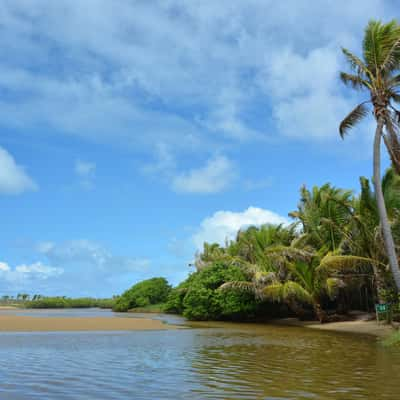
207 361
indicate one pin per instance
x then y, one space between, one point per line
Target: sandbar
20 323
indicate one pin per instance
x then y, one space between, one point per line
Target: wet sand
361 326
19 323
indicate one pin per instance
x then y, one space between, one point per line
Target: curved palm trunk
386 231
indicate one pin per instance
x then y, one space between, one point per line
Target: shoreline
358 326
20 323
26 323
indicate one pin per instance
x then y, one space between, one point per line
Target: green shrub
199 297
150 291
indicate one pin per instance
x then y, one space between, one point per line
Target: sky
133 131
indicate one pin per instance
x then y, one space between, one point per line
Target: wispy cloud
180 74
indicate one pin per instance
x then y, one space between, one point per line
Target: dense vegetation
65 302
330 260
145 293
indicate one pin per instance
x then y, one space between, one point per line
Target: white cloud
308 103
86 173
178 73
38 270
224 225
13 178
25 273
4 267
91 257
216 176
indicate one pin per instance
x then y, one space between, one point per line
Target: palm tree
364 236
251 244
211 252
307 277
378 74
322 213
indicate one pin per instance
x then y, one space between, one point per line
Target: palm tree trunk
386 231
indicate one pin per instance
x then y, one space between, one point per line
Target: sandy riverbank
19 323
361 326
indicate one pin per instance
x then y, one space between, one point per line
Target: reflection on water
232 362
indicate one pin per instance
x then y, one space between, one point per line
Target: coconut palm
251 244
322 213
378 74
310 281
211 252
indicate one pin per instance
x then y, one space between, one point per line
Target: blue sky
132 131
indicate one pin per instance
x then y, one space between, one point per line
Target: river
207 361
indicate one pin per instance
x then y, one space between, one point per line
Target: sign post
382 309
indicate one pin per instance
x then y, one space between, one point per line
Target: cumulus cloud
216 176
13 178
224 225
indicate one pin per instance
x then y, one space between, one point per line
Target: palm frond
352 119
394 82
356 64
378 43
238 285
292 253
274 293
354 81
293 291
392 59
346 263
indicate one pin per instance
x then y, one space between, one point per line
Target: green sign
382 307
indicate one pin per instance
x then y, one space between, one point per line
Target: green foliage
377 73
145 293
65 302
199 297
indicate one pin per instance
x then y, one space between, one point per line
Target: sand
19 323
362 327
